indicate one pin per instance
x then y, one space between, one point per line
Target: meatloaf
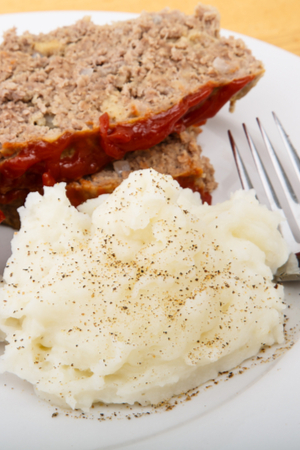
73 100
178 155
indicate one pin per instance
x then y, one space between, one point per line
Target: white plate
258 409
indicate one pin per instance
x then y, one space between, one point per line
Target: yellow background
273 21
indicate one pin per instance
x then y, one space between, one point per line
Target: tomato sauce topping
76 154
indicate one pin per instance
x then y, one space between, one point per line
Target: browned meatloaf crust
178 155
74 99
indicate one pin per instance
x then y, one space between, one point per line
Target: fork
283 198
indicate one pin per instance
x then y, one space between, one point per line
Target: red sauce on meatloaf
28 166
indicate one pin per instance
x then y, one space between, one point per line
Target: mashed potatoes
140 294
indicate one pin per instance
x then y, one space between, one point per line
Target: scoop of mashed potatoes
138 295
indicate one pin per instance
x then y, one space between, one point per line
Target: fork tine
242 172
286 198
287 201
276 163
289 146
273 202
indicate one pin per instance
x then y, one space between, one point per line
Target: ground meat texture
178 155
75 99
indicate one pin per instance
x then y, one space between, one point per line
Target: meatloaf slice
78 97
178 155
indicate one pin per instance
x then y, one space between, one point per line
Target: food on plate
178 155
73 100
138 295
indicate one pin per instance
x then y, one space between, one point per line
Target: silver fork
283 197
